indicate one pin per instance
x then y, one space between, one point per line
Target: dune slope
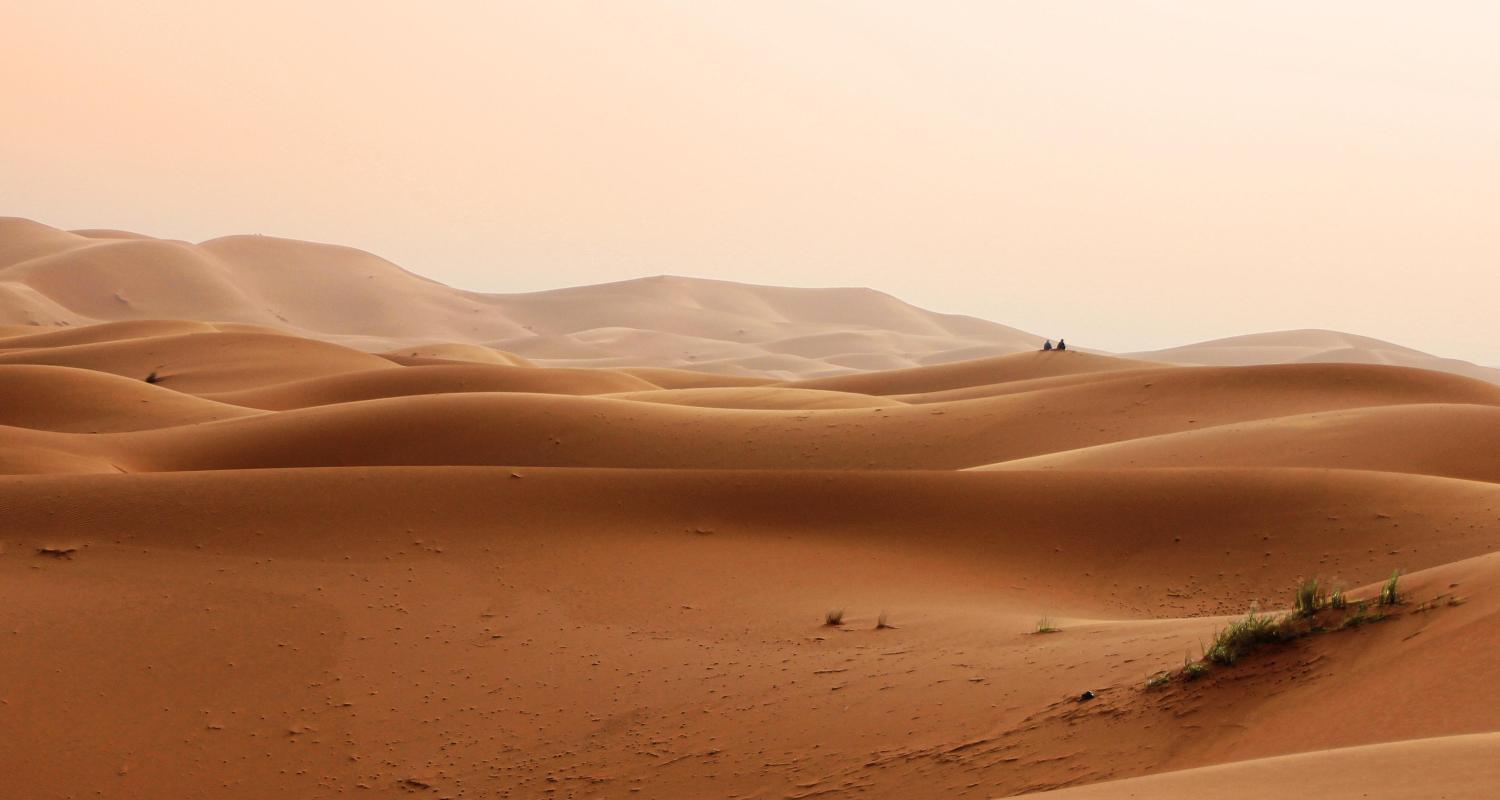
295 568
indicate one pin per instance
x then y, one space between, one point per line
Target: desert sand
361 534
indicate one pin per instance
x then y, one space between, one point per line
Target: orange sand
384 554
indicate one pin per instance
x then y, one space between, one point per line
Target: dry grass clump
1044 625
834 617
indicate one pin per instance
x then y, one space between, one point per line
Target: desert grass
834 617
1044 625
1338 600
1390 595
1362 616
1242 636
1309 599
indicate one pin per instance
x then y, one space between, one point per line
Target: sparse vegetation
1310 598
1389 594
1044 625
1309 602
1195 670
834 617
1242 636
883 622
153 377
1361 616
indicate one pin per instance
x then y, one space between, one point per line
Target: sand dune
331 609
50 277
1424 769
365 534
205 362
968 374
1314 347
452 351
759 398
1458 441
85 401
518 428
431 380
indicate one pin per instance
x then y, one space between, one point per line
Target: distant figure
1048 345
1062 344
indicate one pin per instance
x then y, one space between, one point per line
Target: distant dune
1313 347
295 523
51 278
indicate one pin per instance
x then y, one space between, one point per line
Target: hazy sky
1126 174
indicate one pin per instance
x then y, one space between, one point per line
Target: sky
1129 175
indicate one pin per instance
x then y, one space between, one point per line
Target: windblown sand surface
327 554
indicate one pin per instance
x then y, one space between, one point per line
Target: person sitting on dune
1062 344
1047 345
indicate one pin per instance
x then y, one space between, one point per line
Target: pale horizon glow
1130 175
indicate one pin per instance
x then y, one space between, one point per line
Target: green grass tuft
1389 594
1195 670
1044 625
1309 599
1159 680
1243 636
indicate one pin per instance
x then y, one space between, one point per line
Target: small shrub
1044 625
1338 600
882 622
153 377
834 617
1389 594
1195 670
1159 680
